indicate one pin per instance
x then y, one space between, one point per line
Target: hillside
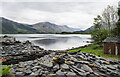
87 30
47 27
12 27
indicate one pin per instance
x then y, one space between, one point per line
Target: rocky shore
26 63
15 51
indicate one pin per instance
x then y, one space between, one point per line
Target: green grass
4 71
0 69
96 50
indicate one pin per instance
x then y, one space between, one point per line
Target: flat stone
60 74
81 74
73 59
69 62
20 69
76 68
107 63
37 67
111 67
38 72
21 65
91 75
80 56
87 68
56 67
49 65
102 70
84 62
19 73
28 71
93 65
28 67
34 70
33 74
51 75
109 70
96 74
46 72
64 66
71 74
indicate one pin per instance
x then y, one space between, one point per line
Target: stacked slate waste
65 65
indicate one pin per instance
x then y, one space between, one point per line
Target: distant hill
9 26
12 27
91 28
87 30
47 27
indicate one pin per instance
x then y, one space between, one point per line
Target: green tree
104 24
116 30
109 18
99 33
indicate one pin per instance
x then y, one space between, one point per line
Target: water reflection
54 41
61 43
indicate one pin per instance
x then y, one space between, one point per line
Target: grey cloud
74 14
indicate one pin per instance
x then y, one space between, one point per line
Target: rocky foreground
26 63
77 65
15 51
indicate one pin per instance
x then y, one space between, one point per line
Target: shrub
4 71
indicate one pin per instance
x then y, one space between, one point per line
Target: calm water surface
54 41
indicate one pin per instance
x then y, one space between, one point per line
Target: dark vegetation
4 70
75 33
107 24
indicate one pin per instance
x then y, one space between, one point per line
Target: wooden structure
112 45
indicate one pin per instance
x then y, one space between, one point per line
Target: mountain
87 30
9 26
12 27
91 28
76 29
47 27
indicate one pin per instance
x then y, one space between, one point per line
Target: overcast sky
74 13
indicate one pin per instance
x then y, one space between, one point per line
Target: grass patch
4 71
0 69
96 50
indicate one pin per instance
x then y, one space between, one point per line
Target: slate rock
87 68
51 75
65 66
71 74
28 71
60 74
56 67
38 72
69 62
19 73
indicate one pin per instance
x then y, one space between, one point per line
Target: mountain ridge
10 26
